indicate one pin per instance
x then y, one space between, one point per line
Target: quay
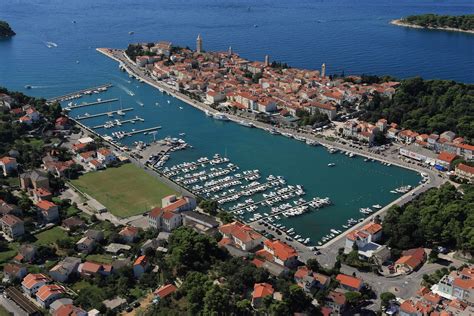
133 120
150 129
72 107
78 94
78 118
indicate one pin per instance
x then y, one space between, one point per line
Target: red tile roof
142 260
337 297
46 291
281 250
349 281
465 168
240 231
32 279
412 257
262 289
11 220
45 205
447 157
165 290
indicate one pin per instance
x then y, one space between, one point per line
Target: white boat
208 113
331 164
220 117
168 101
377 206
246 124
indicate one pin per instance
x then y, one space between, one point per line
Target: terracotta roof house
33 281
140 266
410 260
165 290
13 271
129 234
465 171
283 254
12 226
241 236
8 165
307 279
69 310
48 210
349 282
261 290
26 253
72 223
48 293
336 301
163 220
89 268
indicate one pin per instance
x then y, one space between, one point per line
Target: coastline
399 22
326 143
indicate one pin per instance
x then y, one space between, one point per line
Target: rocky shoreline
400 22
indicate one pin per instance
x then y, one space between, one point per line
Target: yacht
377 206
220 117
331 164
246 124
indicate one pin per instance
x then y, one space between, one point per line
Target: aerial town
65 251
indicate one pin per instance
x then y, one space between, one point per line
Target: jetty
146 130
80 93
72 107
133 120
83 117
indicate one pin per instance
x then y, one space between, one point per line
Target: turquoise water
350 185
348 35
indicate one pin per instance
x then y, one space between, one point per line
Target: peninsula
461 23
5 30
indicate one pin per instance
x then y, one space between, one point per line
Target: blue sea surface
350 36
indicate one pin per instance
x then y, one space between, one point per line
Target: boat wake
140 103
126 90
51 44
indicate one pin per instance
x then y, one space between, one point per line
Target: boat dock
223 184
118 122
307 203
78 118
262 201
72 107
146 130
78 94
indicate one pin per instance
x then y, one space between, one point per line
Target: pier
263 201
224 183
150 129
78 118
72 107
133 120
78 94
263 217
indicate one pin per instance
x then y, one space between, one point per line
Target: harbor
299 160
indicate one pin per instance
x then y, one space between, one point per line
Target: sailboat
121 112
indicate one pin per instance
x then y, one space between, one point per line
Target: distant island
461 23
5 30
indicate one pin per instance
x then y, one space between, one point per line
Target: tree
313 265
217 301
386 297
433 256
297 300
353 298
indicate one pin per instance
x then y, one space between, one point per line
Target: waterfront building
279 252
365 239
240 235
444 160
325 108
199 44
12 226
164 220
457 285
173 204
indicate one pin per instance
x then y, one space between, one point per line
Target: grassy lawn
7 255
99 258
4 311
50 236
125 191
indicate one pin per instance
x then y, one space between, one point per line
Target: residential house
349 283
72 223
465 171
63 269
97 235
42 194
8 165
61 123
7 208
26 253
106 156
240 235
382 124
48 210
85 244
13 271
129 234
85 157
336 301
48 293
410 260
164 220
140 266
164 291
260 291
12 226
91 269
308 280
33 281
34 179
282 253
68 310
448 136
457 285
95 165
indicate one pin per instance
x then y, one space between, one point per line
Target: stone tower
199 44
267 60
323 71
230 51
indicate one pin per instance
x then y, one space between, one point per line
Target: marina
72 106
88 116
300 161
110 124
80 93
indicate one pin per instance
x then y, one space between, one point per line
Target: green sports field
125 191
